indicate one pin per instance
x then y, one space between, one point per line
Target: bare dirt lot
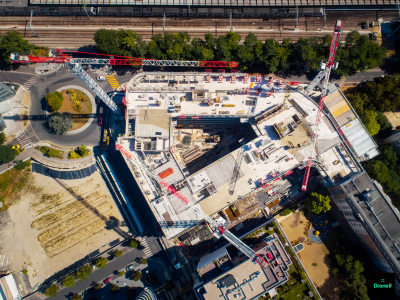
312 253
56 223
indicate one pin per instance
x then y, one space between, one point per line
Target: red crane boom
327 71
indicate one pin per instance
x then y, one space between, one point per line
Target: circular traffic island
76 102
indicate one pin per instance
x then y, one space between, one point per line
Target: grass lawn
292 272
16 181
297 293
85 111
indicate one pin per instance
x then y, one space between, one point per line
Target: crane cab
338 26
335 65
322 65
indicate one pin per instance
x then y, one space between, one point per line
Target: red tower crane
219 227
59 56
324 73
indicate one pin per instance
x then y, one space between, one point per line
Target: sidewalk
50 161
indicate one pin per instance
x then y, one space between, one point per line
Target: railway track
75 38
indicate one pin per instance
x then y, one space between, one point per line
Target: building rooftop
8 288
248 280
380 217
201 125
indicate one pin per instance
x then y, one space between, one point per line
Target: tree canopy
134 243
101 262
317 203
136 275
60 122
7 154
52 290
84 272
69 281
2 138
54 100
11 42
358 53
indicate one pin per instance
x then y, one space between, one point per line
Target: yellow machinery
317 233
228 105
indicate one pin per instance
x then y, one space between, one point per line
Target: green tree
114 289
383 121
388 155
134 243
77 297
13 42
60 123
136 275
52 290
101 262
286 212
317 203
169 285
121 273
98 286
2 138
118 253
370 122
7 154
69 281
84 272
107 41
54 100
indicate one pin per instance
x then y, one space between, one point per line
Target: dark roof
380 217
227 281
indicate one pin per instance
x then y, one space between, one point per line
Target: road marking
112 81
185 289
31 81
146 249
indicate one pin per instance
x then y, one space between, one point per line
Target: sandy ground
394 118
57 223
312 253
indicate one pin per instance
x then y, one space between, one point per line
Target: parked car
110 258
100 78
129 268
107 280
100 121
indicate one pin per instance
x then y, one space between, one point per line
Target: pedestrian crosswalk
112 81
24 140
31 81
146 247
186 288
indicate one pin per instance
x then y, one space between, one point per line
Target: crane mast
324 73
218 227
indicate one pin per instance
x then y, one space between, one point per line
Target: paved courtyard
312 253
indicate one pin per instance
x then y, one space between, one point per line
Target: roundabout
88 133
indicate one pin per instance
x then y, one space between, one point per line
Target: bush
25 271
4 184
143 261
60 123
54 100
5 206
52 290
101 262
22 165
51 152
114 289
7 154
77 107
83 151
301 222
69 281
73 155
70 92
286 212
134 243
98 287
315 264
136 275
118 253
121 273
2 138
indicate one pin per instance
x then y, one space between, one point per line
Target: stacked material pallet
191 154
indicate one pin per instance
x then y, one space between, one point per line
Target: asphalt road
50 83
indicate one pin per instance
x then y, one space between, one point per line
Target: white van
101 78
